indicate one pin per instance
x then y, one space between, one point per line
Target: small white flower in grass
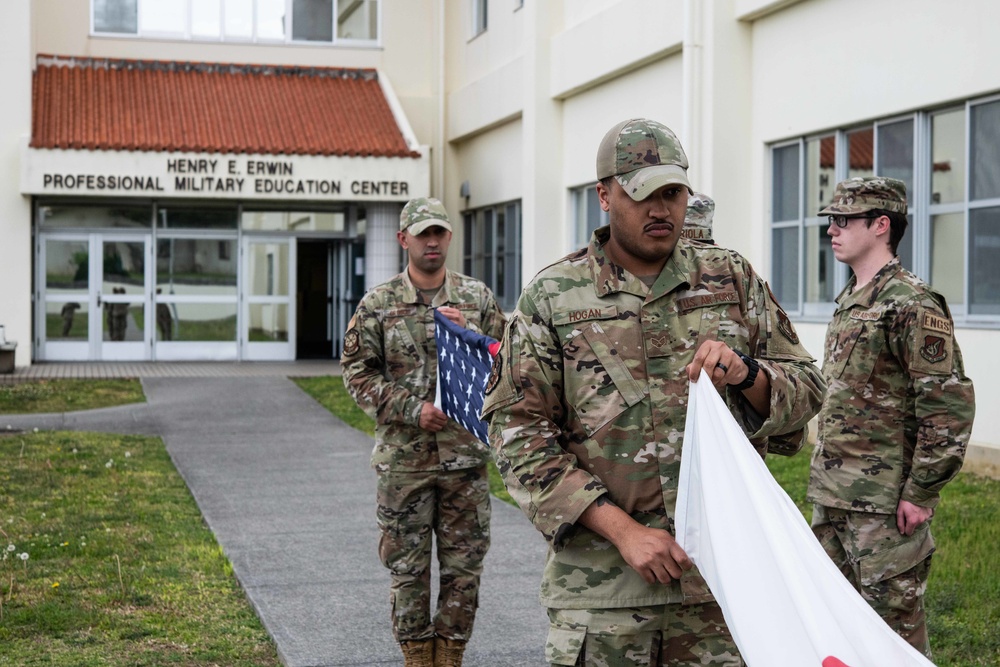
35 429
128 454
10 547
43 515
74 450
110 463
23 555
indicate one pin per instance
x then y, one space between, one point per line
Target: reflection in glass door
196 297
268 314
63 320
121 319
93 289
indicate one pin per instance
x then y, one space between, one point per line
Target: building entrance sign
222 176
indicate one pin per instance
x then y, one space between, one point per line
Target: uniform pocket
599 385
564 644
896 560
859 355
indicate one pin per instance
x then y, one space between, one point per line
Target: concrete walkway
287 490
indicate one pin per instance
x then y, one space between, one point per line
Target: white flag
786 603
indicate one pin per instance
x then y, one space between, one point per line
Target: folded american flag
464 361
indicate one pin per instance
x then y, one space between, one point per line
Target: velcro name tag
584 314
933 322
865 315
703 300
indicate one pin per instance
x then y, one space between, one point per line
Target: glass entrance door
268 283
63 320
120 323
95 294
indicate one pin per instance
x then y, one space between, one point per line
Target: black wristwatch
752 369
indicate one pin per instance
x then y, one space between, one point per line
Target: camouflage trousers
676 635
454 507
888 569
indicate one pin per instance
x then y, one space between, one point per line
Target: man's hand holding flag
464 361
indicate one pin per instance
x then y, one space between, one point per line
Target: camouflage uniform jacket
390 368
899 409
589 397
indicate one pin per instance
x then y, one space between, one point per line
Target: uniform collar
610 278
444 296
868 295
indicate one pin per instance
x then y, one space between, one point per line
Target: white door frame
60 350
276 350
137 346
95 348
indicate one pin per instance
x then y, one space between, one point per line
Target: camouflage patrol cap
644 156
698 219
862 194
423 213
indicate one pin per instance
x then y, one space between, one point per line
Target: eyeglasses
842 220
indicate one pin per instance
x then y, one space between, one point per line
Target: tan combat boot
448 652
418 653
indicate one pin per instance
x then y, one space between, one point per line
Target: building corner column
381 246
16 250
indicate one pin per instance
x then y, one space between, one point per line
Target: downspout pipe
692 88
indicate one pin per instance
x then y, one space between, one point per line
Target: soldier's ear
401 237
602 196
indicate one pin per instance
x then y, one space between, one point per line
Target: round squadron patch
494 378
352 343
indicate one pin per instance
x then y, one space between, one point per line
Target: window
950 161
261 21
587 215
491 250
479 12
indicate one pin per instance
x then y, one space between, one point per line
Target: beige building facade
505 102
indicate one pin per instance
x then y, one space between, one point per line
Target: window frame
479 15
921 209
481 257
288 40
578 236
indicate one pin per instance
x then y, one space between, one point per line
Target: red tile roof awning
145 105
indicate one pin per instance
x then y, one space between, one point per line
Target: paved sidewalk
287 490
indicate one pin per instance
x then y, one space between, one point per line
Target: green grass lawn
67 395
107 561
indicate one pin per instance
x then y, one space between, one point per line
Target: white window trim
188 36
479 14
920 208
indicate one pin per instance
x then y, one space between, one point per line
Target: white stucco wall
15 210
647 92
491 162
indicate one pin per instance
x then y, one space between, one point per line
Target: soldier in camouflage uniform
588 398
698 219
431 472
898 410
